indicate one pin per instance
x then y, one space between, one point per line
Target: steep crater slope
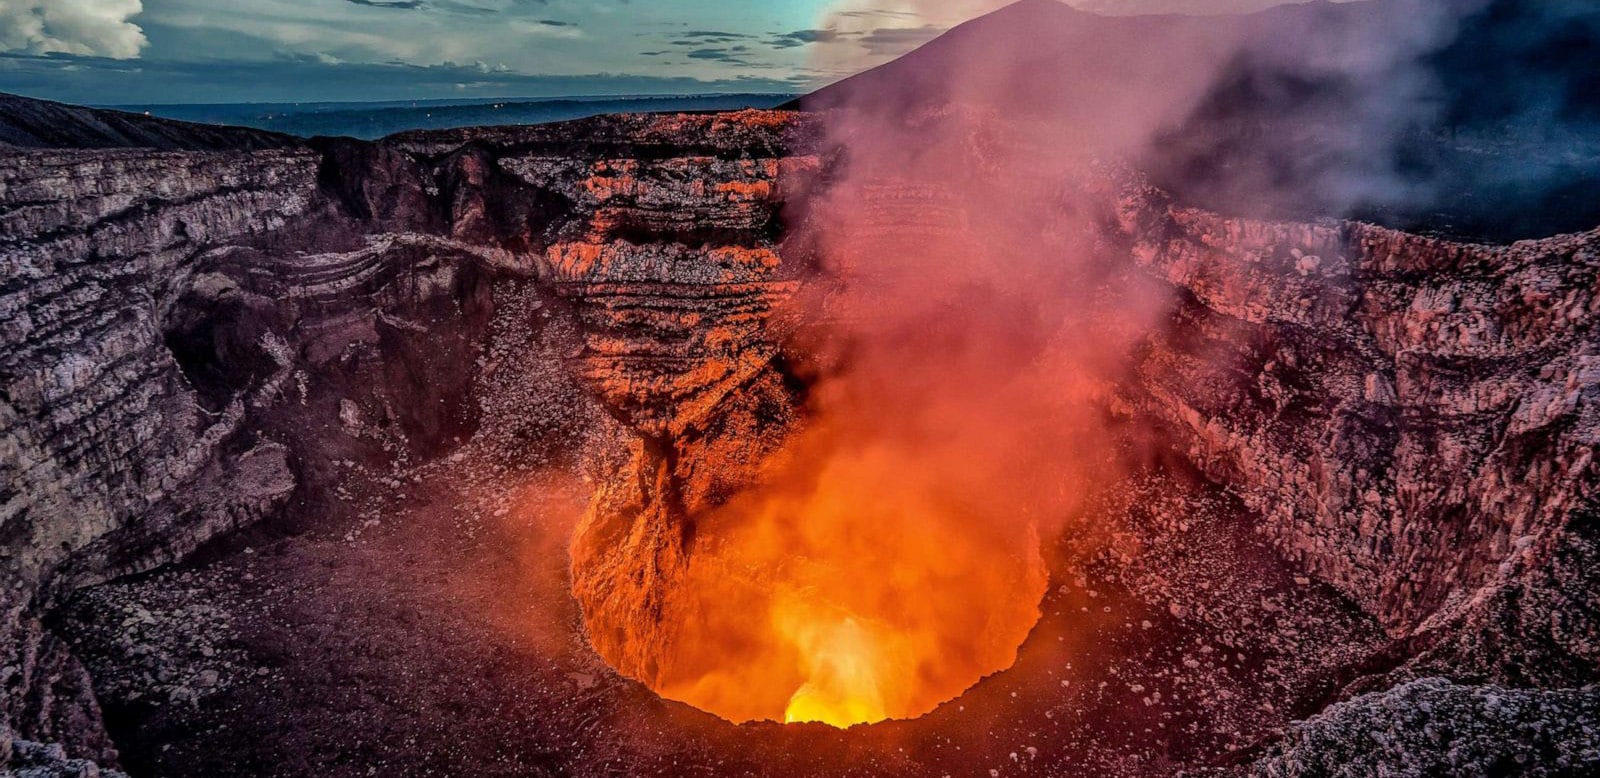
395 340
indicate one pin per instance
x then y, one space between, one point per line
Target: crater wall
1414 419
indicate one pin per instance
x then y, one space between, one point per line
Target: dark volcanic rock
1433 727
41 760
1438 398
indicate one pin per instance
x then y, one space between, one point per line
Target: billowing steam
969 304
1474 117
957 333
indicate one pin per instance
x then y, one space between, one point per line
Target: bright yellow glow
842 676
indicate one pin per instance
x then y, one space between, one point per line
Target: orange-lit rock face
851 532
856 594
850 595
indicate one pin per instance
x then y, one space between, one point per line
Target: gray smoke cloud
968 314
1472 117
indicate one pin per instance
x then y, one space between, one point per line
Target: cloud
545 28
719 55
1189 7
708 34
789 40
452 6
472 9
408 5
873 13
890 41
96 28
704 37
322 77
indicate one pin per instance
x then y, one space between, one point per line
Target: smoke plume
970 304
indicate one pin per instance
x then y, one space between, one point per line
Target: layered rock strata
1415 419
183 328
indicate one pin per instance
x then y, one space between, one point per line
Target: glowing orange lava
858 594
869 548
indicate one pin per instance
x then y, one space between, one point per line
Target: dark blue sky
189 51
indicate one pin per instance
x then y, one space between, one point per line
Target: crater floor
428 627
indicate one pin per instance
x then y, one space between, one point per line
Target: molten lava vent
851 532
854 601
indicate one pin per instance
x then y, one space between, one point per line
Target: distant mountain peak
1049 5
30 122
1054 9
1187 7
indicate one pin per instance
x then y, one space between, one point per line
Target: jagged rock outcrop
28 759
673 275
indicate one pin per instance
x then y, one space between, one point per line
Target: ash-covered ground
417 619
427 628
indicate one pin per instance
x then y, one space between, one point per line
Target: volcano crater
513 456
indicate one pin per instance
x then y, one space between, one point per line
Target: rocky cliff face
193 337
1413 418
181 323
111 464
175 323
1434 727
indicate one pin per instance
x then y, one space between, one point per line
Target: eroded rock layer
1408 413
